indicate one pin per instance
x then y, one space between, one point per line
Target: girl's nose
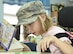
29 29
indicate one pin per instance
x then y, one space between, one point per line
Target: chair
65 19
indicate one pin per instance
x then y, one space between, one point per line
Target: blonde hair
45 24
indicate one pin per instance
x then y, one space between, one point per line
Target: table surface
24 53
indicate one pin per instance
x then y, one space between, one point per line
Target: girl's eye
30 24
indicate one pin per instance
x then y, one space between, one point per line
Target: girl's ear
43 16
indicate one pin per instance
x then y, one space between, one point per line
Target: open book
7 32
16 46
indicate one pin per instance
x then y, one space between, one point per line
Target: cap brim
27 20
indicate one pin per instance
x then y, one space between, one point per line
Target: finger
48 43
45 45
43 49
41 45
38 48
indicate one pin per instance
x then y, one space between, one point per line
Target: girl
34 18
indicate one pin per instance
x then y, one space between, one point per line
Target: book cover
7 32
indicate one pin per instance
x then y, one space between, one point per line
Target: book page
7 35
15 45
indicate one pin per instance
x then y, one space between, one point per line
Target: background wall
1 10
70 3
13 8
65 2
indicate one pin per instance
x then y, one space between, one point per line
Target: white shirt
53 31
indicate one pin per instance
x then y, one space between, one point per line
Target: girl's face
34 28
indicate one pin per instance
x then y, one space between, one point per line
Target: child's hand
45 42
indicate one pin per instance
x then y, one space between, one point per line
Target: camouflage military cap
29 12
